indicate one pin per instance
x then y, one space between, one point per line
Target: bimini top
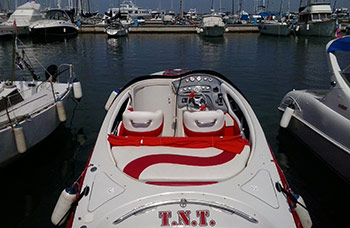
341 44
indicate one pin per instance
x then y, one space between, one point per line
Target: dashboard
199 90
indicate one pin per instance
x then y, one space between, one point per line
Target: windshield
344 64
57 15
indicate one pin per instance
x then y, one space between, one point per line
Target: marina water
264 68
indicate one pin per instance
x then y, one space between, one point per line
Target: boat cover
342 44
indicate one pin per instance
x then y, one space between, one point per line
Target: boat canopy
342 44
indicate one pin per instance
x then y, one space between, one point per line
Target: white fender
61 111
63 204
77 91
303 214
286 117
19 138
111 98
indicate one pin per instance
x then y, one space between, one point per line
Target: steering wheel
196 101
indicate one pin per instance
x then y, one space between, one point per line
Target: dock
160 28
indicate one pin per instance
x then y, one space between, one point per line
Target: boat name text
184 218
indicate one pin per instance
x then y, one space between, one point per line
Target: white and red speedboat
181 149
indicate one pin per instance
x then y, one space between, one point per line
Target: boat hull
36 128
57 31
116 33
275 29
213 31
184 182
324 28
322 129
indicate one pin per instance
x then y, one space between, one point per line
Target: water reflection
323 191
52 39
213 40
35 179
116 44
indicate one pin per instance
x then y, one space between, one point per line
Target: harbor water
264 68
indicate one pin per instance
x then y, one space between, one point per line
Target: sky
202 6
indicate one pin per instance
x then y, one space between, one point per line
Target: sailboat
315 19
30 110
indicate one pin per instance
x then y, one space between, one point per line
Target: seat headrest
143 123
204 123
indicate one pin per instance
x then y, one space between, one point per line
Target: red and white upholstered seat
142 123
204 123
169 164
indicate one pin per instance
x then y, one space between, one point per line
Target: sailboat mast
181 10
13 55
280 14
334 5
233 7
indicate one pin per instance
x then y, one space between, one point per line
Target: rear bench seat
195 159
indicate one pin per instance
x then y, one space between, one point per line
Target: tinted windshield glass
57 15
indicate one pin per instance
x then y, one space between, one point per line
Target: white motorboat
180 148
211 25
116 29
57 23
315 19
275 28
321 118
129 9
23 16
7 31
31 110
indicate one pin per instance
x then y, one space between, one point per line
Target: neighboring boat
315 19
7 31
180 148
211 25
321 118
116 29
275 28
130 9
57 23
23 16
31 110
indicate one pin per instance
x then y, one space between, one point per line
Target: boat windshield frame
57 15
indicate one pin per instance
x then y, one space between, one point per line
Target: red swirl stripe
137 166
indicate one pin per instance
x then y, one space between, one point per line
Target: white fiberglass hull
172 177
37 115
116 32
323 28
321 128
275 29
211 31
53 28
